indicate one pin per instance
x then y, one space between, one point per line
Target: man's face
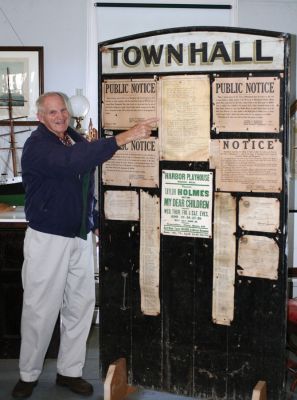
54 115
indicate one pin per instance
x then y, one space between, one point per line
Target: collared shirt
66 140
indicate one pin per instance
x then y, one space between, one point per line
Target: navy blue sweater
53 177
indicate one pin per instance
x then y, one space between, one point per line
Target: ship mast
12 135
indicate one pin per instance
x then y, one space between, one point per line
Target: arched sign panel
192 259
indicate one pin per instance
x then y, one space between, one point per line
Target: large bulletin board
193 270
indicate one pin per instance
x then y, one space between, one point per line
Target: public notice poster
134 164
128 101
186 205
247 165
184 118
246 104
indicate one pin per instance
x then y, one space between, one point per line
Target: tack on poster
186 203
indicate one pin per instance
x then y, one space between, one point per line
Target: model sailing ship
11 187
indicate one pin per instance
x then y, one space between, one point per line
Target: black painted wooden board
182 350
116 330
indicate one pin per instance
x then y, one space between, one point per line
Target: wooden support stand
260 391
115 385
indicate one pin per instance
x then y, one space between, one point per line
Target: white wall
137 20
57 25
273 15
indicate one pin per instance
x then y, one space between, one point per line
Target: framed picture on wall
21 83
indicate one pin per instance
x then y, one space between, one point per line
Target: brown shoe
77 385
23 389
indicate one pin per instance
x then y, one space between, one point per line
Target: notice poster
127 102
149 260
249 104
260 214
247 165
258 257
121 205
184 118
224 258
134 164
186 206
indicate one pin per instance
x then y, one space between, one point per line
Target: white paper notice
244 165
127 102
185 118
149 253
258 256
134 164
224 258
260 214
121 205
246 104
186 203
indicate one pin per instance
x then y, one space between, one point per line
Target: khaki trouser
58 276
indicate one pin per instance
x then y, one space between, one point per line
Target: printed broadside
247 165
121 205
149 253
184 118
224 258
258 256
134 164
186 203
248 104
127 102
260 214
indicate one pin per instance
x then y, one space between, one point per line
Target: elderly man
58 175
